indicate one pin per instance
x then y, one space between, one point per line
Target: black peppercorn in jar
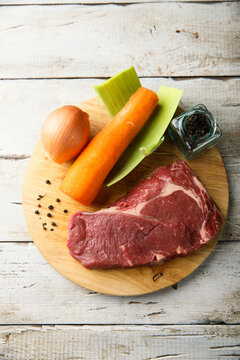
197 125
194 130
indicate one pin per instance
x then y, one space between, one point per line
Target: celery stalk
116 91
114 94
150 137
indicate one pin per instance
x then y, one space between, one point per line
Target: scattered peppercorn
39 205
48 182
51 229
43 226
37 212
51 207
53 223
65 211
49 214
58 200
41 196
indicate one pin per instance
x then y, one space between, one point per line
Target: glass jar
191 140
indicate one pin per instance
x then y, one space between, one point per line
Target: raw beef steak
167 215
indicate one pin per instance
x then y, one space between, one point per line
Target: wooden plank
95 2
35 294
177 39
11 175
232 225
34 99
120 342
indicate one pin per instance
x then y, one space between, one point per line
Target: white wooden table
52 52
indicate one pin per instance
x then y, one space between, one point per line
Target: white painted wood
77 41
120 342
232 225
33 293
94 2
25 104
12 224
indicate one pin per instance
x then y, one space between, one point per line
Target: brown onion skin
65 133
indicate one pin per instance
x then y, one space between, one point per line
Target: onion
65 133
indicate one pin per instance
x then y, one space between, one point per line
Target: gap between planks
174 78
15 157
119 3
182 324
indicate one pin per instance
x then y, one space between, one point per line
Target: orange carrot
87 174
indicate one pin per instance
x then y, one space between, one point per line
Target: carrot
87 174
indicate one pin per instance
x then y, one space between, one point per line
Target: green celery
114 94
116 91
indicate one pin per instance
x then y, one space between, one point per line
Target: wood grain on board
177 39
208 167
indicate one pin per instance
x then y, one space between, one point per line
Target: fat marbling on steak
167 215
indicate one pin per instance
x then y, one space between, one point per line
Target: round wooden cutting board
208 167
